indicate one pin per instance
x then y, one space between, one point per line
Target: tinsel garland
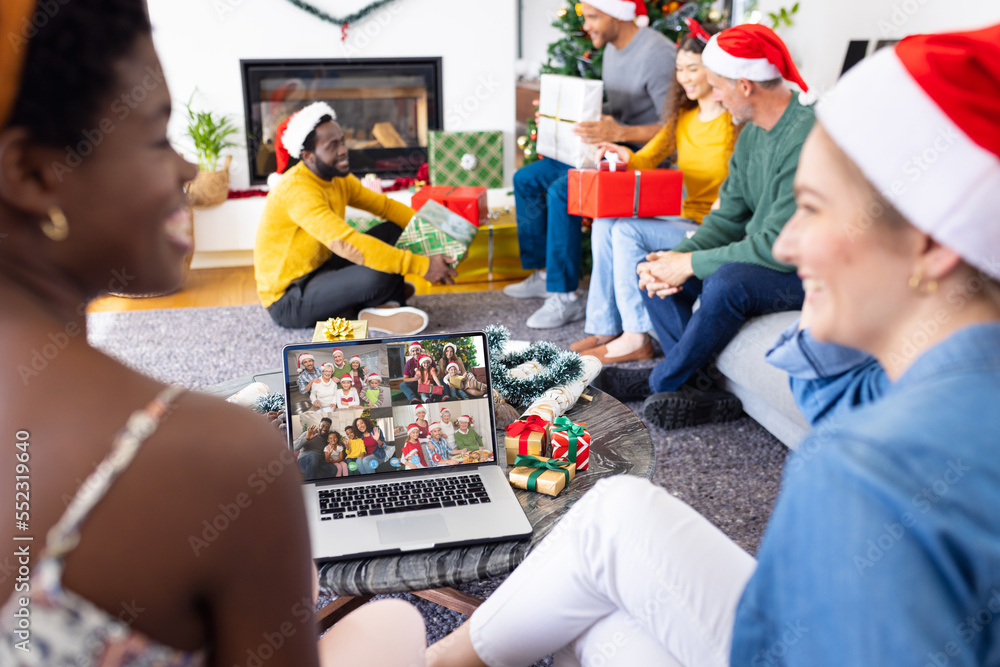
341 22
271 403
560 367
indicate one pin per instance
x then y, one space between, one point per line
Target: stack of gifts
466 158
526 437
617 193
570 441
435 230
562 102
541 474
470 203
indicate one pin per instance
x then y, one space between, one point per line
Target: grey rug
730 472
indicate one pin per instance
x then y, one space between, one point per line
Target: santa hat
465 418
415 345
418 407
346 377
922 122
302 358
434 425
326 365
355 358
420 359
751 51
623 10
336 350
411 428
374 376
451 345
451 365
291 133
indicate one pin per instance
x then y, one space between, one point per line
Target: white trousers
631 576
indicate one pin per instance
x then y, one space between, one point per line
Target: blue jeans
548 236
729 297
315 466
614 302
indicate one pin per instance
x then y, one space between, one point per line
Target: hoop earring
57 226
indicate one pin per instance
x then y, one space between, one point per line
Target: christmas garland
341 22
560 367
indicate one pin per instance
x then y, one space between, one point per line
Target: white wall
201 42
818 39
537 32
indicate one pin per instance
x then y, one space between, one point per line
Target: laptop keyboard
394 497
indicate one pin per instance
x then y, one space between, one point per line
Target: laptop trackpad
428 528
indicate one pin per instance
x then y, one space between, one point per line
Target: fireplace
386 107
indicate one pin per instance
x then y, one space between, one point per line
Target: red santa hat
418 407
452 365
751 51
302 358
422 357
922 122
374 376
326 365
415 345
336 350
434 425
355 358
466 418
291 133
346 377
623 10
411 428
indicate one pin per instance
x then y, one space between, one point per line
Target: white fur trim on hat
926 166
418 407
327 364
302 123
466 418
355 358
448 367
731 67
374 376
412 428
623 10
346 377
434 425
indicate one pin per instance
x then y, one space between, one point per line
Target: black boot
691 407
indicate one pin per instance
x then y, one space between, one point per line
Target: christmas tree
575 55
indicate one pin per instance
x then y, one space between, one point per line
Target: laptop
376 482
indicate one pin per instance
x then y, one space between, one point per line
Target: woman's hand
623 152
316 404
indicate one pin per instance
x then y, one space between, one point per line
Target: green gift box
435 230
466 158
362 225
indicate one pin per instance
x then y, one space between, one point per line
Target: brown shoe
644 352
584 344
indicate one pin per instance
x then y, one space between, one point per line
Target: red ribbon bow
523 428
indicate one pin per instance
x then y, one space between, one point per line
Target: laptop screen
385 407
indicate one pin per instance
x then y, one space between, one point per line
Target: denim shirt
884 545
826 379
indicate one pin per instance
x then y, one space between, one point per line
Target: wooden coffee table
620 446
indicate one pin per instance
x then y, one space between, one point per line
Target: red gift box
570 441
625 194
423 388
468 202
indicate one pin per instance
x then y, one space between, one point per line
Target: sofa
762 388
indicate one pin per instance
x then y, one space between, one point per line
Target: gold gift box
359 331
550 482
535 447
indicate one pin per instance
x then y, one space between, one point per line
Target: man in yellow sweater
310 264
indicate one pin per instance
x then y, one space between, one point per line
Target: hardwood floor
236 287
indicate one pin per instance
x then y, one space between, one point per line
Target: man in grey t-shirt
637 72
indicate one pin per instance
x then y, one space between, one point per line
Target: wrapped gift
540 474
466 158
470 203
527 436
625 194
570 441
337 328
562 102
364 224
435 230
432 389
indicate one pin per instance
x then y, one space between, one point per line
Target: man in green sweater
728 261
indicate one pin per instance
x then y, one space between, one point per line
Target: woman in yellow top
701 132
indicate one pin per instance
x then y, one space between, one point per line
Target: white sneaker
532 287
559 310
403 321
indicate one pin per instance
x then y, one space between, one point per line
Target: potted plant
211 134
